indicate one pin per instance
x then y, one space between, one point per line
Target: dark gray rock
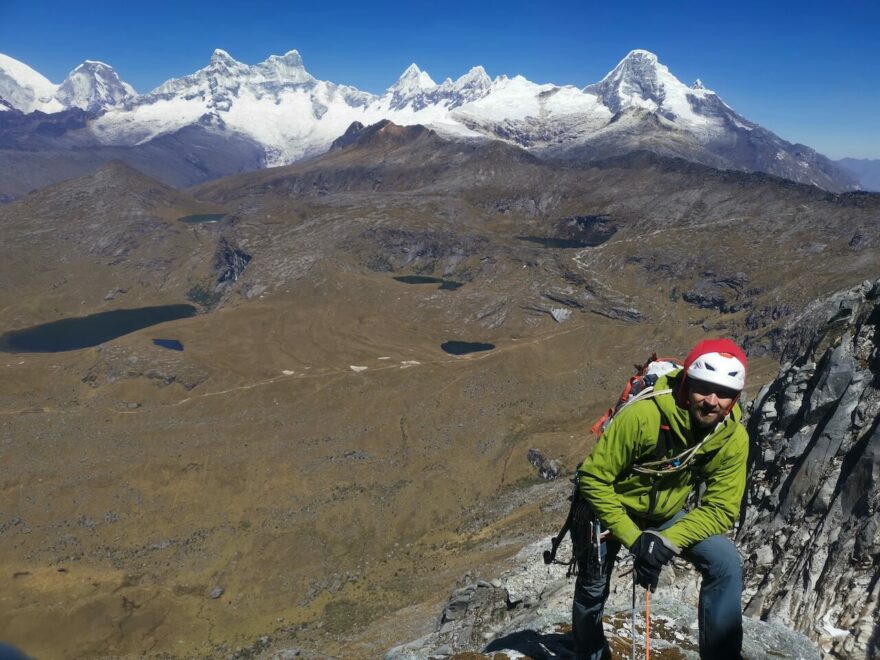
229 261
834 378
814 486
547 468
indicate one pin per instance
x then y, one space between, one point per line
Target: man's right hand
650 555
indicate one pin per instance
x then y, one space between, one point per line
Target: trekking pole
632 654
647 624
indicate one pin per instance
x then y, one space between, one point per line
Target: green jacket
618 494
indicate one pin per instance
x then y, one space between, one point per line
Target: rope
647 393
676 463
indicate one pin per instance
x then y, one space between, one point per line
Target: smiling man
637 480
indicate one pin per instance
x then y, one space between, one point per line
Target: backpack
645 377
581 521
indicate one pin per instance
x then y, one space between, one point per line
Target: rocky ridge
810 529
526 613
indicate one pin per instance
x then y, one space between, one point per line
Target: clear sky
809 71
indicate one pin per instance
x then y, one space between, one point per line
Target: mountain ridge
292 115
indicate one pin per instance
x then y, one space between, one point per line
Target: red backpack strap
597 429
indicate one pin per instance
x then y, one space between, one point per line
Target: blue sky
808 71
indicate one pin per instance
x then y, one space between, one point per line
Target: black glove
651 554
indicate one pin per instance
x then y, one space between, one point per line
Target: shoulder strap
664 439
661 449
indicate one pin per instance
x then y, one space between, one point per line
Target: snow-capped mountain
94 86
24 89
278 105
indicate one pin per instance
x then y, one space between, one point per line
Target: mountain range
275 113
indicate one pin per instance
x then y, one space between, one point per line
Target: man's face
709 402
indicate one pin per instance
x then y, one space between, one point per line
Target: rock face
810 530
229 261
527 613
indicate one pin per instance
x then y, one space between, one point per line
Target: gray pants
720 607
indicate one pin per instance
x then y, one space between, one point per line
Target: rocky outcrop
810 528
229 262
548 468
422 252
527 613
722 292
577 232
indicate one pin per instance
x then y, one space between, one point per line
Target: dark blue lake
91 330
170 344
465 347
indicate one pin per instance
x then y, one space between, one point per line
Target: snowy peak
476 78
641 58
639 80
220 56
412 81
416 90
24 89
222 64
223 78
94 86
285 69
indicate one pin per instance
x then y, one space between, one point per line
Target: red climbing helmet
717 361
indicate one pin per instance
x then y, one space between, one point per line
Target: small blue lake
84 331
465 347
170 344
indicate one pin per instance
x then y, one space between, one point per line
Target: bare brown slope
107 239
753 246
383 157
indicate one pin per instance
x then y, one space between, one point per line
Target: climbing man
637 480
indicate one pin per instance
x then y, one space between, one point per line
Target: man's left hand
651 555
